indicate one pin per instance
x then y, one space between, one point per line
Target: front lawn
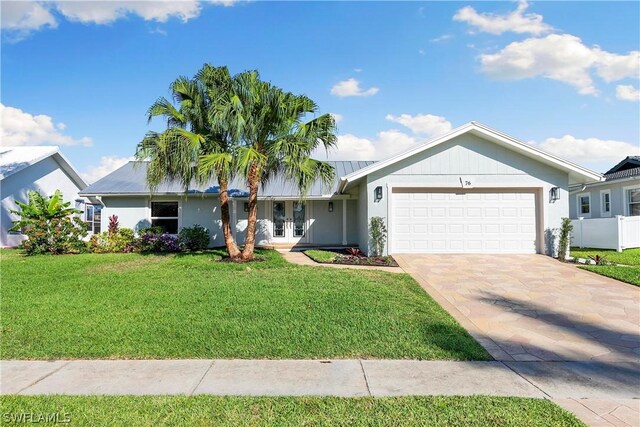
622 273
193 306
437 411
627 257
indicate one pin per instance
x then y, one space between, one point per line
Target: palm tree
193 149
273 138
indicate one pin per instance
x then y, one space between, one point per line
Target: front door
289 222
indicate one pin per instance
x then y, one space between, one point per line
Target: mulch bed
379 261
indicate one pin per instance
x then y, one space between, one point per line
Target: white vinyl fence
619 232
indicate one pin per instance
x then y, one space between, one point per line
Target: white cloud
423 124
20 18
351 147
589 150
441 38
612 67
337 117
351 87
627 93
104 12
560 57
20 128
517 21
107 165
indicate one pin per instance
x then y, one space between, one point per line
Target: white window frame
579 205
91 225
625 197
179 217
603 212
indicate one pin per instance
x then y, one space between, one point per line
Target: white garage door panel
465 223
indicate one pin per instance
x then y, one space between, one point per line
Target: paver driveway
533 308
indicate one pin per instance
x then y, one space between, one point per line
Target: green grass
627 257
625 274
321 256
191 306
437 411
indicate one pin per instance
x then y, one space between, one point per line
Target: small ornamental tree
50 224
564 239
377 235
114 225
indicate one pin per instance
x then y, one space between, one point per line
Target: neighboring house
473 190
43 169
616 201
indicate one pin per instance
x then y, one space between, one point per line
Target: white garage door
466 222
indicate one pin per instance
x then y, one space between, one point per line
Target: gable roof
576 172
628 162
130 180
15 159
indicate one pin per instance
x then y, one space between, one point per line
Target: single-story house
606 214
618 194
43 169
472 190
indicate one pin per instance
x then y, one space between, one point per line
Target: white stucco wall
46 177
485 164
617 190
134 212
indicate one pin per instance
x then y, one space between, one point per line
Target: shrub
153 239
377 235
121 240
114 225
563 239
194 238
356 252
50 225
599 259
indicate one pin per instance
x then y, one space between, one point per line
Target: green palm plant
40 208
193 148
273 137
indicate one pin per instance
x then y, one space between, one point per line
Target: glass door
279 222
289 222
299 223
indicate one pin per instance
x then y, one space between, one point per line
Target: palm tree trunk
230 243
249 243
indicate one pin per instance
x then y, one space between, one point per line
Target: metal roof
13 159
626 173
130 180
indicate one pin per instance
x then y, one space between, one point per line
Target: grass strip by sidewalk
221 411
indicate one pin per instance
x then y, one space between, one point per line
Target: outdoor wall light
378 194
554 194
330 206
246 206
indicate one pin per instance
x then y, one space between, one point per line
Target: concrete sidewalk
599 393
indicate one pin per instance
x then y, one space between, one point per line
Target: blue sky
562 75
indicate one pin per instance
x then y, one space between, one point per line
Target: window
633 199
165 215
93 218
605 208
584 204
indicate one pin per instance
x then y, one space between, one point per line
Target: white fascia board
69 169
484 131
